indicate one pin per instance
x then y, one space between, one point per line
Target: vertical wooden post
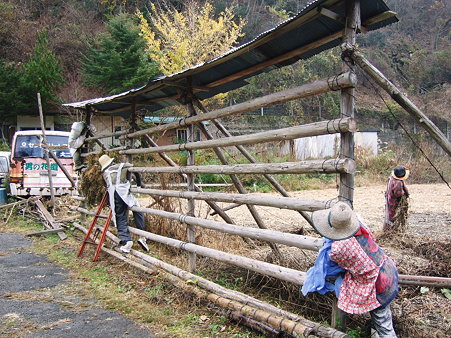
130 142
46 151
339 317
191 230
88 123
347 104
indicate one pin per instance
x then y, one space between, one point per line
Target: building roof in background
316 28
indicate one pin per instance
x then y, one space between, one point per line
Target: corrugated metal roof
309 32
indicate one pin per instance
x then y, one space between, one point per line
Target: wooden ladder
88 239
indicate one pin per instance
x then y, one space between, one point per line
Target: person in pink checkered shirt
366 278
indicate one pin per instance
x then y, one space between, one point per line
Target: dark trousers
121 210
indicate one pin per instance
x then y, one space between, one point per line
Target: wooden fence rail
262 200
332 166
271 236
311 129
267 269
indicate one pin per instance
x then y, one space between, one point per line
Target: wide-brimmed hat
105 161
336 223
400 173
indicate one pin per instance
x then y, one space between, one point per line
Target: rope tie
322 165
327 126
336 161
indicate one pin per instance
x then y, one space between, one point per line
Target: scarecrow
117 179
350 263
396 200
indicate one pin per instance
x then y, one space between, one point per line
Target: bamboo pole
251 159
312 129
330 166
289 275
271 236
399 98
46 151
236 181
262 200
306 90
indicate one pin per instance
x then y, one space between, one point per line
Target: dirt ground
426 200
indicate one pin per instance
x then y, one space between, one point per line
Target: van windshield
28 146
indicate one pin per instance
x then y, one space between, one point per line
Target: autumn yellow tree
177 40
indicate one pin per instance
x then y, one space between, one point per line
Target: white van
5 158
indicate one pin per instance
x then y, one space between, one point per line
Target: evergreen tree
11 100
41 74
19 86
119 62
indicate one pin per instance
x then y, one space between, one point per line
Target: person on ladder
117 179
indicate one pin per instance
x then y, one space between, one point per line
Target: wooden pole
63 169
191 229
317 87
342 165
347 104
312 129
46 151
251 159
264 200
270 236
289 275
46 215
238 185
399 98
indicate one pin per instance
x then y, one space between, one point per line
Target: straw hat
105 161
336 223
400 173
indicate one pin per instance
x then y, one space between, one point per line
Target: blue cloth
324 268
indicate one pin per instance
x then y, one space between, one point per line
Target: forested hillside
73 50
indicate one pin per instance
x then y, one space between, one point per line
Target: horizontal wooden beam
271 236
117 133
331 166
317 87
107 150
289 275
45 232
86 211
263 200
290 133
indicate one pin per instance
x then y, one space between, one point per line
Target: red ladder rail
92 226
